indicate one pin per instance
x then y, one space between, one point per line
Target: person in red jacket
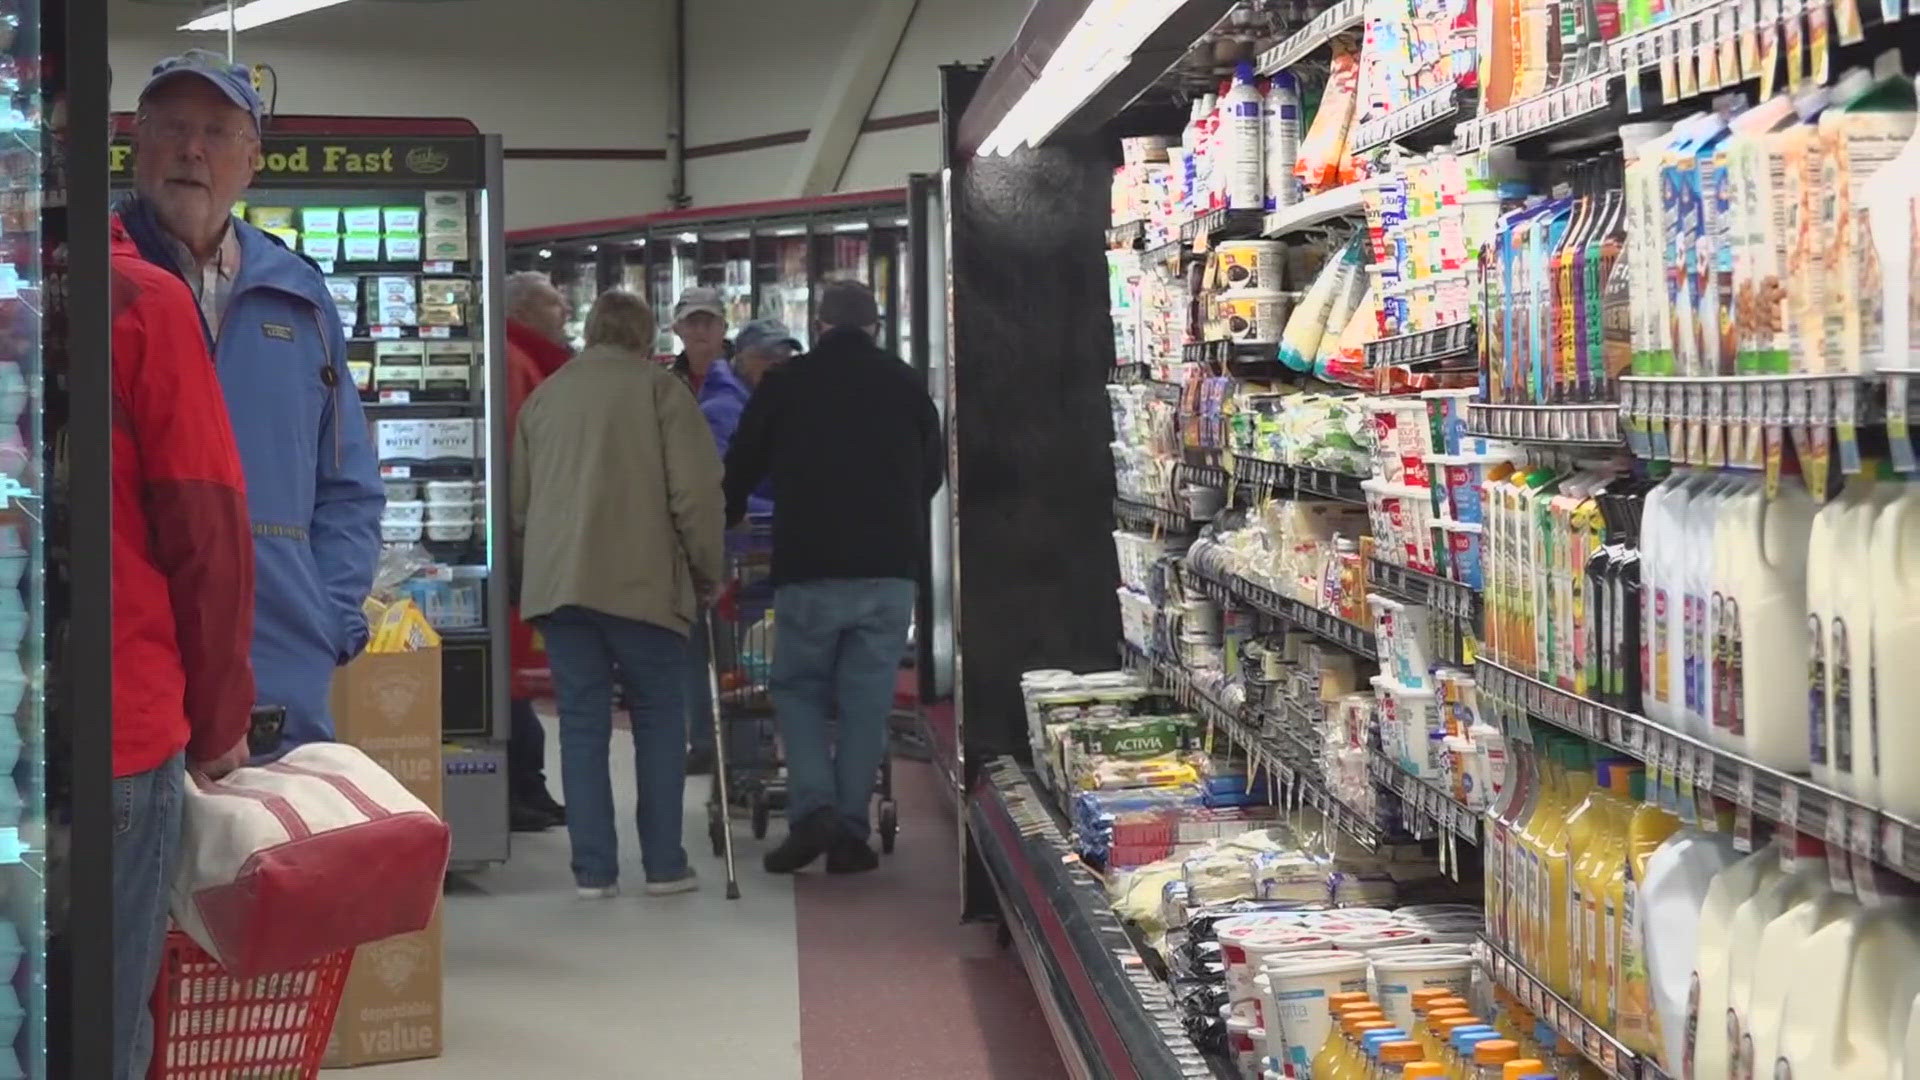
536 347
182 612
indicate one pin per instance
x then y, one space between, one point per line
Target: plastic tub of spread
450 490
402 491
449 531
401 512
449 513
401 532
1253 265
1254 317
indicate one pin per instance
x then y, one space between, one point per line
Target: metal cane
720 761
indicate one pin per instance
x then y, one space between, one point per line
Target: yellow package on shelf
399 626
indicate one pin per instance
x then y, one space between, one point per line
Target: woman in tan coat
617 536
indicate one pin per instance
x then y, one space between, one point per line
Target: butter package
399 626
319 219
320 247
442 315
446 213
403 247
361 219
446 291
399 365
401 219
360 247
344 288
451 248
271 217
449 366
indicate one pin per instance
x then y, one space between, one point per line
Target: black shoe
849 854
806 839
549 806
699 760
524 818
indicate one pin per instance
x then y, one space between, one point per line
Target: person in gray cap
314 495
759 347
700 321
853 445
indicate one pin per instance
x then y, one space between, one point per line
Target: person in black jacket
853 444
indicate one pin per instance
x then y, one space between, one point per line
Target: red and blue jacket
182 549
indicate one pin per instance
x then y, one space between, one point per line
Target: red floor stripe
892 984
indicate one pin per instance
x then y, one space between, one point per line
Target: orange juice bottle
1521 1068
1353 1064
1577 781
1354 1007
1491 1057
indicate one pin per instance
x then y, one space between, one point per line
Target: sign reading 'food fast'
357 162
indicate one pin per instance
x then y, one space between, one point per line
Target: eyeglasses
175 129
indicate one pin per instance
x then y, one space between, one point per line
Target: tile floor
807 978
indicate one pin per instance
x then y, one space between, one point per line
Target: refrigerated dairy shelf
1348 200
1596 1043
1352 637
1425 121
1678 763
1311 38
1537 115
1126 234
1423 800
1223 224
1110 1016
1147 516
1581 426
1249 479
1454 341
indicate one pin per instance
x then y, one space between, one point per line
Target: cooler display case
769 260
403 219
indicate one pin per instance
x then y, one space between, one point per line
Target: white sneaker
598 892
686 882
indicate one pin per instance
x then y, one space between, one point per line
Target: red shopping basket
208 1025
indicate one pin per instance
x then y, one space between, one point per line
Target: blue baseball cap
233 80
764 333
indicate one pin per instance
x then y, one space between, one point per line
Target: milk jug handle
1901 509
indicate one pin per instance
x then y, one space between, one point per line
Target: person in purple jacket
758 347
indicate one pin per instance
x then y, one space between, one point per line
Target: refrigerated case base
1111 1017
476 802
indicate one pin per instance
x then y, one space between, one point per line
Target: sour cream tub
1253 317
1256 265
1397 977
1245 946
1295 1002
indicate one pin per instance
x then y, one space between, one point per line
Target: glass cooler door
780 276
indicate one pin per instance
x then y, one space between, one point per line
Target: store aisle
808 978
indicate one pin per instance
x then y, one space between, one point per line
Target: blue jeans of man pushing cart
837 653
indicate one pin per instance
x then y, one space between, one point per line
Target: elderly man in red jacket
536 347
182 612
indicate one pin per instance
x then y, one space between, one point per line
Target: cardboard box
391 1010
388 705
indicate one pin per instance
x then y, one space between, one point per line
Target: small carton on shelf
388 703
399 365
360 247
362 219
401 440
446 213
454 439
403 247
321 247
320 219
400 219
449 366
450 248
398 304
442 315
271 217
437 290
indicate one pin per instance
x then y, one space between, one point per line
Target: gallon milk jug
1854 970
1703 513
1849 646
1912 1069
1750 920
1894 674
1705 1028
1659 551
1733 526
1827 573
1761 707
1778 962
1667 905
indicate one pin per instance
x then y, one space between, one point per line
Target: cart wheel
889 825
717 829
761 812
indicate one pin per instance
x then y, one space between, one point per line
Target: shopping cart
207 1025
748 769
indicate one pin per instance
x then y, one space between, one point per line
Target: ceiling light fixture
1093 52
246 16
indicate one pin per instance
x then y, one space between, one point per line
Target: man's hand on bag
225 763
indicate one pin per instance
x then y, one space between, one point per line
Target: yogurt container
1396 978
1253 317
1296 1009
1254 265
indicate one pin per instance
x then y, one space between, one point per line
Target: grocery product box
388 705
392 1007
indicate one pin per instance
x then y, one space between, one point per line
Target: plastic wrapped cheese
1325 146
1349 293
1300 341
1346 362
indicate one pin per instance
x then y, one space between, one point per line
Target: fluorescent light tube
257 13
1093 52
